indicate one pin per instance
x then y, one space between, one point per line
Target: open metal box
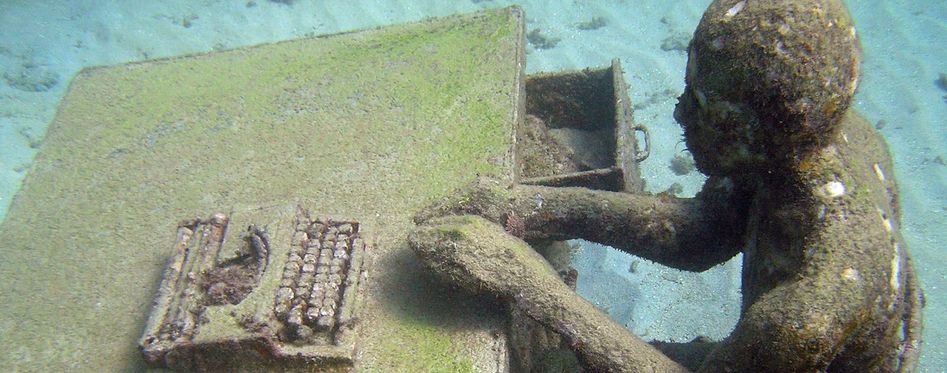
579 131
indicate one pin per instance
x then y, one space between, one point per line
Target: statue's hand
485 197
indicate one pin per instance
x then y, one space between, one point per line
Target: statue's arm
685 233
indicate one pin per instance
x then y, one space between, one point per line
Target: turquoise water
44 43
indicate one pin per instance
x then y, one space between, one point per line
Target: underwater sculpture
798 183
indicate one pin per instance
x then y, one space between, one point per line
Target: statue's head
767 82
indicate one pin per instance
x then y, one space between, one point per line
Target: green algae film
345 124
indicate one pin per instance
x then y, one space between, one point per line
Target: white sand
49 41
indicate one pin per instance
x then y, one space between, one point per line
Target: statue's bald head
767 82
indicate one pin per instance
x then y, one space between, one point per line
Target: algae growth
343 124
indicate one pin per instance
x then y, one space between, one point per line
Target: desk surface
369 125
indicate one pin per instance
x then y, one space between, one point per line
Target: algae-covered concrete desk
242 163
